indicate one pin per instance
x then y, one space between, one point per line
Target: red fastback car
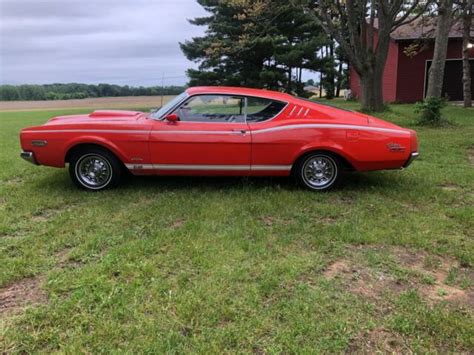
220 131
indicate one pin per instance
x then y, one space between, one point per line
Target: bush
429 111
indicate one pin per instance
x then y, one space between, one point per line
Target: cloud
118 41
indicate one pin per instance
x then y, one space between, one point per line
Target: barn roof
423 28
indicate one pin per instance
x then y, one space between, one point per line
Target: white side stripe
323 125
89 131
208 167
293 127
257 131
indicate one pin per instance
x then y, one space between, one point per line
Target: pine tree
263 43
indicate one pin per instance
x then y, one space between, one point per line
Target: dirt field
94 103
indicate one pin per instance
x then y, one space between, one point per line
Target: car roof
233 90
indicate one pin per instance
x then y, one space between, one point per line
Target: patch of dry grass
124 102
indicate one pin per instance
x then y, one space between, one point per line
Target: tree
328 72
342 74
9 93
262 43
352 23
79 91
467 19
443 26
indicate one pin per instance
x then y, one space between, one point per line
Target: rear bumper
412 157
29 157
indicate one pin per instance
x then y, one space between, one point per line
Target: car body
220 131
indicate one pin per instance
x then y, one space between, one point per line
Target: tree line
80 91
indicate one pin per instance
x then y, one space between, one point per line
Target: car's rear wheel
318 171
94 169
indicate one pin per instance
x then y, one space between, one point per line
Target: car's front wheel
319 171
94 169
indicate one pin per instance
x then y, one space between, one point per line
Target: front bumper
412 157
29 157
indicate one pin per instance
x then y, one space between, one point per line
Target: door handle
239 131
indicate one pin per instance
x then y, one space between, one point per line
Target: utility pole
162 87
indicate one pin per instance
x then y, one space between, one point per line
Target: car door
210 136
272 147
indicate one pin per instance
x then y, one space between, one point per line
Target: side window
212 108
260 109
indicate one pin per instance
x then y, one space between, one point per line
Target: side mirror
173 117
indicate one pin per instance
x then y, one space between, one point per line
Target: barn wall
389 76
411 71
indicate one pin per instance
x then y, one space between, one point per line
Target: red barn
409 59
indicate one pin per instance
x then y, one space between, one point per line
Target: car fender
329 147
100 141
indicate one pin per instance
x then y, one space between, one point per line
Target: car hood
98 116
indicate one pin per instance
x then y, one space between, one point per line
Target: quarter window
212 108
260 109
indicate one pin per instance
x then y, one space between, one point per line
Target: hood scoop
113 113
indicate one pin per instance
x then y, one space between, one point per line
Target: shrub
429 111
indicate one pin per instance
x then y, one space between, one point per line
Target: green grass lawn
211 265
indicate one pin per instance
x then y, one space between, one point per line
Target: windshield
168 106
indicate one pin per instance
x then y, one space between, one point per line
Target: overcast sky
92 41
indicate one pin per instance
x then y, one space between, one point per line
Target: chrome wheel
93 171
319 171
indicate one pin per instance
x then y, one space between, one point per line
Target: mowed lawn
212 265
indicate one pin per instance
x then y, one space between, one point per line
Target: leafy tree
9 93
32 92
352 24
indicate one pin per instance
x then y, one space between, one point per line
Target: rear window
260 109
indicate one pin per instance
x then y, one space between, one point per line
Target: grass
211 265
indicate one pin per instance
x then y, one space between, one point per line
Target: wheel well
83 146
346 165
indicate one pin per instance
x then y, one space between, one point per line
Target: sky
124 42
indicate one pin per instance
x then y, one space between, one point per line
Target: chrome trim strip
39 143
413 156
204 167
196 132
201 167
139 166
270 167
211 93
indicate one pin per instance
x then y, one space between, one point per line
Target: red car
220 131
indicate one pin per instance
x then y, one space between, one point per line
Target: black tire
323 175
94 169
